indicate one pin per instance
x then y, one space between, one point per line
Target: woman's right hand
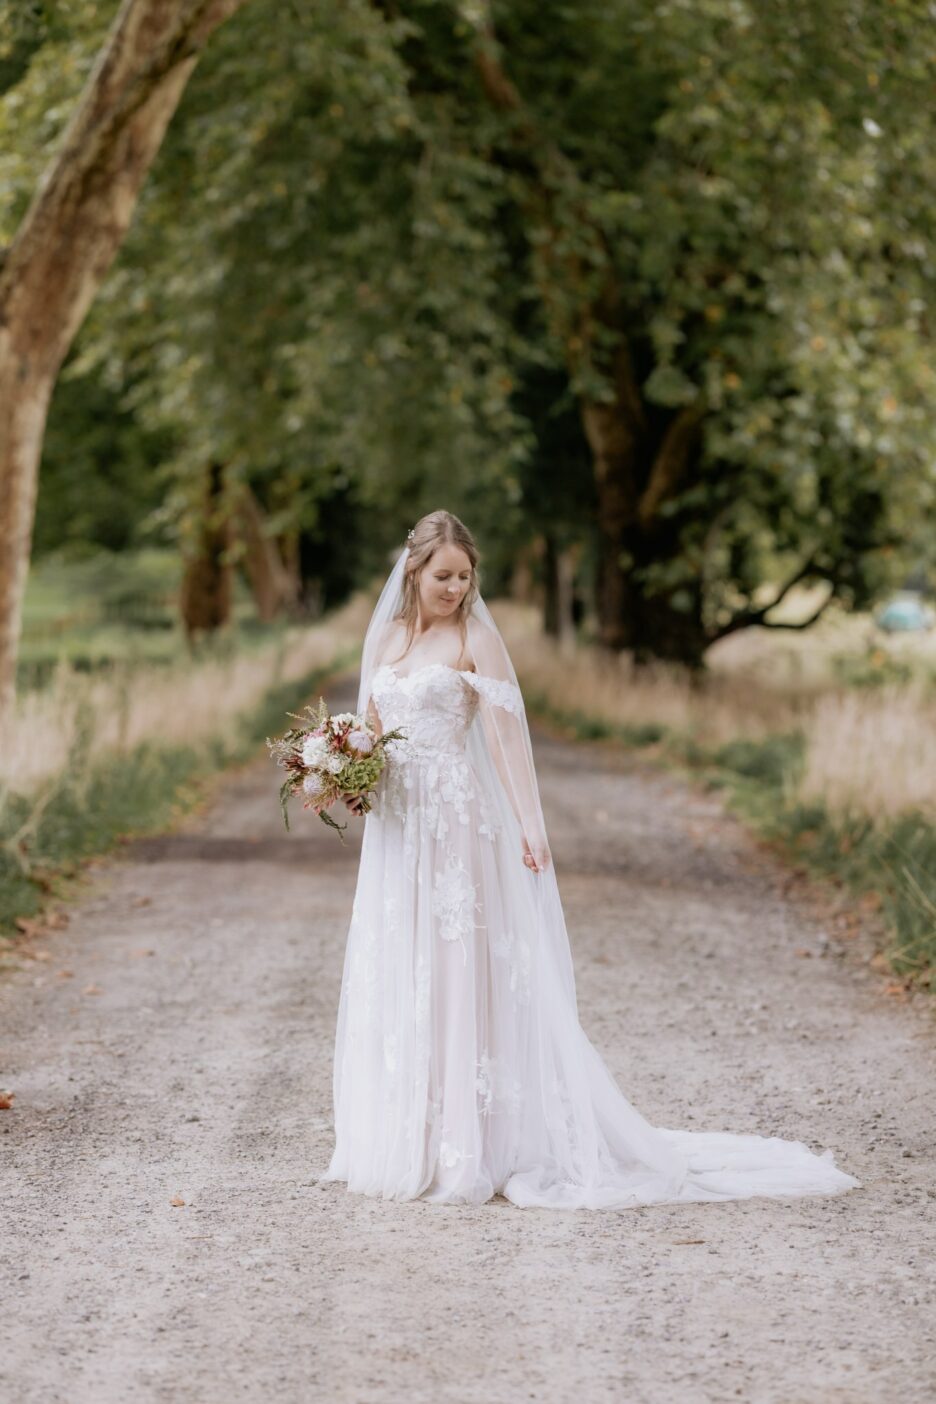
353 803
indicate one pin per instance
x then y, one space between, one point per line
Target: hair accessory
411 533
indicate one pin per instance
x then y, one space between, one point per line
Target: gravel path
188 1054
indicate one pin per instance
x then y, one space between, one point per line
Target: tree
309 295
646 276
729 232
65 244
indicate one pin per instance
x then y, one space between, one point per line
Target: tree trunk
566 567
22 421
559 580
658 630
65 245
274 581
292 566
636 477
550 586
206 593
615 452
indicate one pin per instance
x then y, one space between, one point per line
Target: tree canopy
651 276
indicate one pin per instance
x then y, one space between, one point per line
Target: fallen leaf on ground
177 1201
91 989
29 926
65 974
6 1100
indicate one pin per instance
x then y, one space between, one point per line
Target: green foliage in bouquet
358 775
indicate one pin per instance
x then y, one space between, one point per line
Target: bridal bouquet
327 757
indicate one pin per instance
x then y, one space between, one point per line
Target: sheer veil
575 1102
499 743
573 1140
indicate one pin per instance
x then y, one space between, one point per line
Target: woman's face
444 580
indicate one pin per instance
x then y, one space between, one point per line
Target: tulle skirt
461 1069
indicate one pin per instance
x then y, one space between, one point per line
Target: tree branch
802 623
501 92
746 618
671 462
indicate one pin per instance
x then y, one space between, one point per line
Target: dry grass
722 708
872 754
185 702
868 751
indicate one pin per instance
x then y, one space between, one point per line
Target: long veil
499 743
578 1142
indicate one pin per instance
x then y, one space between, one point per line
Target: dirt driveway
188 1054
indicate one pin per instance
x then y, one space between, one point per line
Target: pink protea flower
361 742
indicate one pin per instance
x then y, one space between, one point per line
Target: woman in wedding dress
461 1069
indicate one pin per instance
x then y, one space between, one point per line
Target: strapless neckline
403 677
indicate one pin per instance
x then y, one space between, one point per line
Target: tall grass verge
842 778
92 759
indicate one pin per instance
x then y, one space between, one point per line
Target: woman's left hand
536 856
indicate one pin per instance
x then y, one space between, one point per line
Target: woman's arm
504 720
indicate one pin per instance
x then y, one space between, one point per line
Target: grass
841 777
109 609
827 748
183 698
90 612
873 754
94 757
97 801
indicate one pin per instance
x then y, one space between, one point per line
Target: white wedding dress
461 1069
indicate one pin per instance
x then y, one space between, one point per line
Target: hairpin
411 533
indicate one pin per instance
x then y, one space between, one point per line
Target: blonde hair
430 532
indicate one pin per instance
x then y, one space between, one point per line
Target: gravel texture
188 1055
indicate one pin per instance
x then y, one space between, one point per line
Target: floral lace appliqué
497 1090
453 903
498 692
450 1155
428 780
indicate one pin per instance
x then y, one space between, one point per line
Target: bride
461 1069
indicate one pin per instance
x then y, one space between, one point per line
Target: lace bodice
429 773
434 705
